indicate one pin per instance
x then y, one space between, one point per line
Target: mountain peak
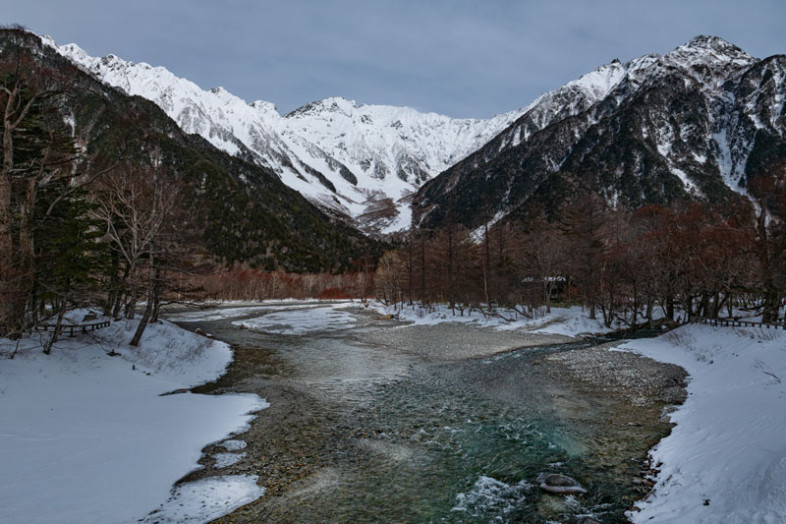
714 48
710 42
334 104
264 107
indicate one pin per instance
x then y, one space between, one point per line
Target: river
375 421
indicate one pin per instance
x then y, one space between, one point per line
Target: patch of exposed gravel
639 378
454 341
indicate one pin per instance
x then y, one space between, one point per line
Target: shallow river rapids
382 422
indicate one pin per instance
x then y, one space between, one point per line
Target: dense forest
630 266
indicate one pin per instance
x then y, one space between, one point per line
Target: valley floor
86 437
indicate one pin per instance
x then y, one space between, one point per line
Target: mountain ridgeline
235 211
98 151
363 162
696 124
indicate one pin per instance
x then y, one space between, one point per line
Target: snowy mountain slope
361 161
386 142
695 123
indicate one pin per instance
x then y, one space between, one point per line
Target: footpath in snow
86 437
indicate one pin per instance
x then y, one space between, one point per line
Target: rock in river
560 484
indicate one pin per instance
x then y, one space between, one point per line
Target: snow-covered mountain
693 124
363 161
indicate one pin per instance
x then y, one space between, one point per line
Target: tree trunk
156 296
132 294
151 268
410 263
58 329
26 249
547 294
771 305
422 267
670 307
6 259
451 275
140 329
487 266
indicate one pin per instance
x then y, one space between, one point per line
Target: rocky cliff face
694 124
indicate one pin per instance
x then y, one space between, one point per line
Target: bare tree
135 206
584 224
390 277
547 260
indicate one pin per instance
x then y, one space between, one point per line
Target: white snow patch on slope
725 161
599 83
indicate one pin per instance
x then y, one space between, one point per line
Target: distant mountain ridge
362 161
694 124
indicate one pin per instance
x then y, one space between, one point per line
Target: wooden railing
730 322
70 328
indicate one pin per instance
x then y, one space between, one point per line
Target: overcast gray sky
472 58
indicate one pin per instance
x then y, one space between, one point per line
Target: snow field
87 438
725 460
301 320
571 321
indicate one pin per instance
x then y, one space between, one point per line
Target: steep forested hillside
242 211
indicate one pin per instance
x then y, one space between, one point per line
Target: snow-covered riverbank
725 460
85 437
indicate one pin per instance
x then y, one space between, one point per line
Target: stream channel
377 421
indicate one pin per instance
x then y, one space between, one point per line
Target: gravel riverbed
300 446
